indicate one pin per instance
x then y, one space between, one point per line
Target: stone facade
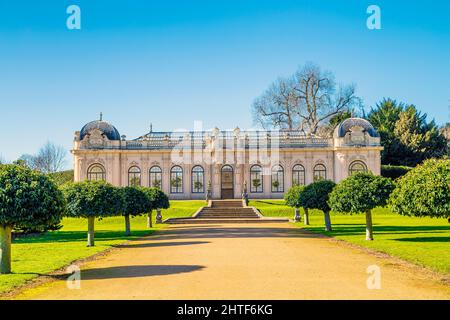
186 165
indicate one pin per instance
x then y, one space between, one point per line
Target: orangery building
224 163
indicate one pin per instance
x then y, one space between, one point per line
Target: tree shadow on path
176 233
136 271
159 244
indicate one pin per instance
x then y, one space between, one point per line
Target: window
357 166
320 172
155 177
176 180
198 181
277 179
298 175
256 180
134 177
96 172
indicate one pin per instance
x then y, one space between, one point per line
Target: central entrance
227 182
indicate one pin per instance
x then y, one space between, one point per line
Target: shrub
394 172
135 202
424 191
158 200
315 196
292 198
360 193
91 199
28 199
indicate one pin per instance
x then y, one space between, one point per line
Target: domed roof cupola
345 126
106 128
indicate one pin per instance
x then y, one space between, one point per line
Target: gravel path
246 261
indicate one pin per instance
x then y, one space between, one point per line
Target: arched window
176 180
134 176
198 180
357 166
256 179
155 177
96 172
298 175
320 172
277 179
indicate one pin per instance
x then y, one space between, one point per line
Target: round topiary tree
292 198
27 198
315 196
158 200
360 193
424 191
91 199
135 202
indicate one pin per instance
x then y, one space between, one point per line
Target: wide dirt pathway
257 261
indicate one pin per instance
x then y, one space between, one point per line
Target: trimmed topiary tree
135 202
92 199
424 191
27 198
292 198
315 196
158 200
360 193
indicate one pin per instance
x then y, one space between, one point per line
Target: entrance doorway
227 182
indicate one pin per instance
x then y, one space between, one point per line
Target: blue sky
171 63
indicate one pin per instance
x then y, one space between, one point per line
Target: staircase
225 211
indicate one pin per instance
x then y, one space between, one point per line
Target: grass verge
36 255
422 241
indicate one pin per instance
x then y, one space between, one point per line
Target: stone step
212 221
228 211
227 217
226 203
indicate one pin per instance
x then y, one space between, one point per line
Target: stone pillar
77 169
116 174
216 181
187 171
267 185
165 175
145 179
309 168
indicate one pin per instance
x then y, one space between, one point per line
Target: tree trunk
5 249
90 240
369 228
158 216
306 216
127 225
327 221
149 220
297 215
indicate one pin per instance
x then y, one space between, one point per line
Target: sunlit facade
186 165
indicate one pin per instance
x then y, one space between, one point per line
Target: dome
347 124
108 129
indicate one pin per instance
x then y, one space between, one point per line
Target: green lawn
423 241
36 255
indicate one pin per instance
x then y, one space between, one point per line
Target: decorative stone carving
96 138
357 135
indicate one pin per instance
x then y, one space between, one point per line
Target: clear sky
173 62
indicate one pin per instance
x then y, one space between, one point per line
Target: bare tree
305 101
50 158
277 107
319 97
